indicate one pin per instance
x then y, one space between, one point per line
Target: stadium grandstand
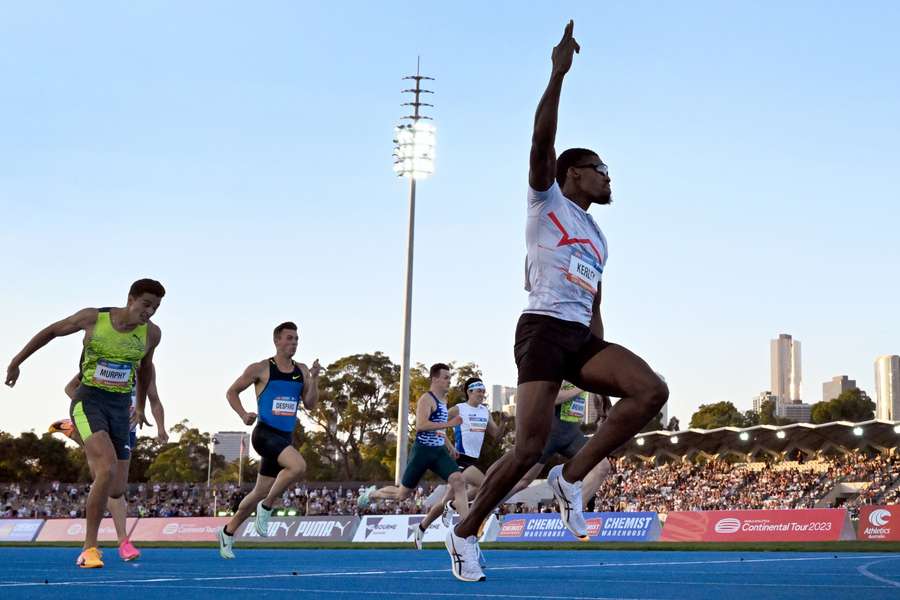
801 465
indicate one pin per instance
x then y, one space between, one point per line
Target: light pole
414 159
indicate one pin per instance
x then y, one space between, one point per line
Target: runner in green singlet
118 346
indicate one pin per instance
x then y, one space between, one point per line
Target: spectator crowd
633 486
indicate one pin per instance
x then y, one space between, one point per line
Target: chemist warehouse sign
602 527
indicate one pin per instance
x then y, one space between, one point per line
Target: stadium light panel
744 436
414 150
858 431
674 439
781 435
640 441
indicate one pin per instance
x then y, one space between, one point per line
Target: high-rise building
786 373
799 412
509 407
500 394
762 397
837 386
887 387
228 444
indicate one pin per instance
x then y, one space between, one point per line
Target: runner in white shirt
560 335
469 434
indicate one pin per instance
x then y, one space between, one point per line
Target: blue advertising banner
602 527
19 530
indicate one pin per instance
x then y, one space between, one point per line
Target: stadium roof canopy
760 440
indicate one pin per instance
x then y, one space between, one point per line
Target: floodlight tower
414 140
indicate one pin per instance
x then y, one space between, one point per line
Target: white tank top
567 253
470 433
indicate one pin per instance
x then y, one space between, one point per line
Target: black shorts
95 410
269 443
427 458
550 349
465 461
565 439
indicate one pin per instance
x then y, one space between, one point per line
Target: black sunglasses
601 168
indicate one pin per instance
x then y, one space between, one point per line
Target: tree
29 458
852 405
172 464
233 472
143 454
358 400
751 418
767 415
720 414
492 449
184 460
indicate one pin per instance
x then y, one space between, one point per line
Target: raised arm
542 162
250 376
311 389
80 321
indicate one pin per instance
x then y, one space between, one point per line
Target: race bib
112 373
284 406
572 410
477 424
584 272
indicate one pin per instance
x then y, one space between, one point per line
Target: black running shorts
465 461
95 410
550 349
269 443
427 458
565 439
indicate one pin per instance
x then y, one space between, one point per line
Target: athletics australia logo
879 517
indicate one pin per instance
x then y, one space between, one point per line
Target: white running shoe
463 557
418 536
226 543
568 498
447 515
262 519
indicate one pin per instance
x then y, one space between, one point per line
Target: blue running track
192 573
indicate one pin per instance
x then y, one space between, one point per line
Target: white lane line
865 572
357 592
536 567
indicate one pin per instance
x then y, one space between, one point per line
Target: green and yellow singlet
111 357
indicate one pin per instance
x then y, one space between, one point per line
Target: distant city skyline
752 150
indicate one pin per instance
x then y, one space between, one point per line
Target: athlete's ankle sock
266 507
420 526
225 530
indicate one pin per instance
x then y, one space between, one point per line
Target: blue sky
243 157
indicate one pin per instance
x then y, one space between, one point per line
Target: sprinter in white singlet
469 435
560 335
